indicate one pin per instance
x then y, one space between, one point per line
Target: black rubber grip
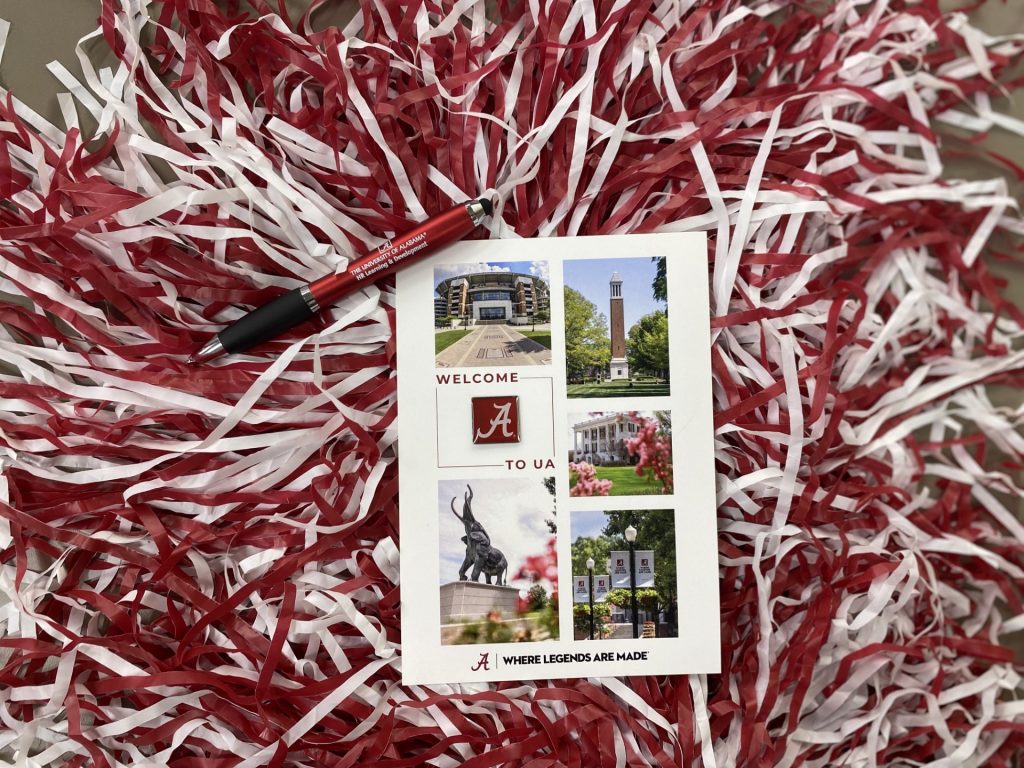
268 321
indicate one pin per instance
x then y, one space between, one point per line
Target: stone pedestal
619 369
471 601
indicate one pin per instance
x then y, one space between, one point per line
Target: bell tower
619 368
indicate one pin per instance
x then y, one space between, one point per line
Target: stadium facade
480 298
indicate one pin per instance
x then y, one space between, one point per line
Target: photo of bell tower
618 348
619 367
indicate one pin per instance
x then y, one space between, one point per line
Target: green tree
655 530
648 345
540 316
587 344
549 484
659 286
597 547
645 596
602 618
537 597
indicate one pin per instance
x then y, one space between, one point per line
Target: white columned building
602 439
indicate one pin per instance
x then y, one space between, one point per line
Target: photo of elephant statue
480 555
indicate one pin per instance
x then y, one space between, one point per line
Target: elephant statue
480 555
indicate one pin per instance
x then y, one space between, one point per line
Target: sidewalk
493 345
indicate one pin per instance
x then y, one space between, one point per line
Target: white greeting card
556 475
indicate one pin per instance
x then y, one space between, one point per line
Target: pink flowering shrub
542 566
587 483
535 568
654 449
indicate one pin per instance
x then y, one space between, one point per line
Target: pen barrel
394 254
268 321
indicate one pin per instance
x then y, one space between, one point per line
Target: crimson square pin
496 419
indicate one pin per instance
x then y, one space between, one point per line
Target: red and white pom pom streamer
200 566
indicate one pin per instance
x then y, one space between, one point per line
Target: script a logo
620 563
384 247
483 663
495 420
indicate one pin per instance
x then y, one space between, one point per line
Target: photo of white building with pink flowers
620 453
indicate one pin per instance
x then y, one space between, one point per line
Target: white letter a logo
502 420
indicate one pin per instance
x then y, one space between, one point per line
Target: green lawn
541 337
445 339
648 388
625 482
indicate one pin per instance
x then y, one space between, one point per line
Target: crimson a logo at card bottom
495 419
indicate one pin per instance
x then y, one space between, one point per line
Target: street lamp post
590 571
630 539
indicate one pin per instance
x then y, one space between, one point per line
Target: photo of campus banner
492 314
623 353
641 601
620 453
498 568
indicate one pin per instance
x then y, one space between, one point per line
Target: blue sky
590 524
590 277
587 524
538 268
512 510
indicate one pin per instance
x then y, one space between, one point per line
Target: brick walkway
493 345
622 632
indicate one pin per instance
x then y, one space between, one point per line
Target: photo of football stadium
493 314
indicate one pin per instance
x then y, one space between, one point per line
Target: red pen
300 304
